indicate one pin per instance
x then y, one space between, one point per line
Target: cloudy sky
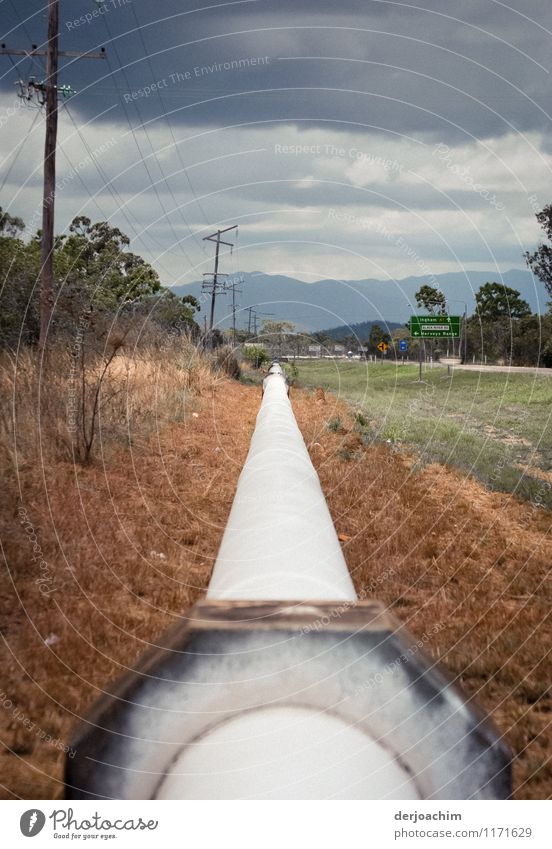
365 138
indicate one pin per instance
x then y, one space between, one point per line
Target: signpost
382 346
403 349
434 327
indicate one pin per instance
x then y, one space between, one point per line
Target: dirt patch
535 472
466 566
124 549
131 545
516 440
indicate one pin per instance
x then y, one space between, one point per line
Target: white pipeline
280 541
283 701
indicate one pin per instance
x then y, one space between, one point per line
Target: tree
273 326
94 258
529 341
540 262
495 301
502 328
10 225
19 271
256 355
431 299
276 332
322 338
96 280
169 311
192 304
522 341
377 335
350 342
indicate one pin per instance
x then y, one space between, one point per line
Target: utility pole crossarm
218 241
69 54
213 236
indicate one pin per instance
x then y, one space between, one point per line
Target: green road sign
435 326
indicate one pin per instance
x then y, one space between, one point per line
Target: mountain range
329 303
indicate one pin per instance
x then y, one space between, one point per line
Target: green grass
335 425
493 425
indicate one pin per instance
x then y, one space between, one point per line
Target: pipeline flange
228 659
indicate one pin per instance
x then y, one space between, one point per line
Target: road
538 372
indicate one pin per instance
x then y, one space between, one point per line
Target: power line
176 147
121 204
92 196
253 316
178 206
18 148
119 200
260 315
34 59
144 161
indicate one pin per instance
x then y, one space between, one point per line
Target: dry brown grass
41 403
469 568
131 542
100 559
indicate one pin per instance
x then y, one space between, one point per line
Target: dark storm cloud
386 66
416 130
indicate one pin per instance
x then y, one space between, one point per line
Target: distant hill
360 331
334 303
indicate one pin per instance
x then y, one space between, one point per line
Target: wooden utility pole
249 310
253 316
234 287
234 312
48 197
48 91
214 287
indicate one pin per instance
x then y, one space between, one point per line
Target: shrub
69 406
335 425
225 361
256 355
